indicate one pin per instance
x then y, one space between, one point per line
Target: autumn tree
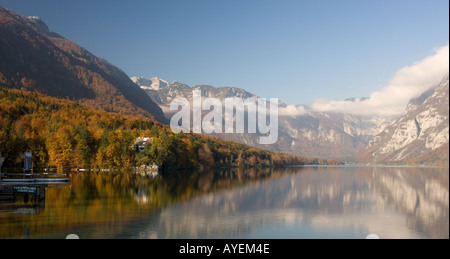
63 133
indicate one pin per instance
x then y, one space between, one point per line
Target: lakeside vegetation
66 134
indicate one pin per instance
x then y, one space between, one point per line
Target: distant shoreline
372 165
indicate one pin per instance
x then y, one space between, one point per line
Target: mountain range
302 130
420 135
33 58
354 138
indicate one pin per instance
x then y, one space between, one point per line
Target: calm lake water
302 202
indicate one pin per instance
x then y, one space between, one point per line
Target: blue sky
297 51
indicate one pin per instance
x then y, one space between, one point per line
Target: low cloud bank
408 83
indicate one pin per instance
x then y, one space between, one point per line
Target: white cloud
408 83
292 110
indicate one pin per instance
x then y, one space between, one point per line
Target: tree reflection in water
301 202
101 204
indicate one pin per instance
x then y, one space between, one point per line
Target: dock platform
31 178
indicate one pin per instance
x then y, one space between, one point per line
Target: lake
290 203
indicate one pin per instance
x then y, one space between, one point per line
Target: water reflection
422 197
102 205
311 202
316 203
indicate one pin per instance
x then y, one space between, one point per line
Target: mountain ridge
302 130
33 58
420 135
352 138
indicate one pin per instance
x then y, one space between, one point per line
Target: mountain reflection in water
303 202
329 202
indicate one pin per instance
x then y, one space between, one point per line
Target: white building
140 143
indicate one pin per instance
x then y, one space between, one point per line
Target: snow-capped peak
154 83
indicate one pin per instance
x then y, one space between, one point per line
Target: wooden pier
33 177
28 176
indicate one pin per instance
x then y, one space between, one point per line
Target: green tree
85 145
154 131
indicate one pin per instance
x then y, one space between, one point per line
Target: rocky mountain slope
330 135
154 83
302 131
420 135
33 58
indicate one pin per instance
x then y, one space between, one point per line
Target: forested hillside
33 58
66 134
